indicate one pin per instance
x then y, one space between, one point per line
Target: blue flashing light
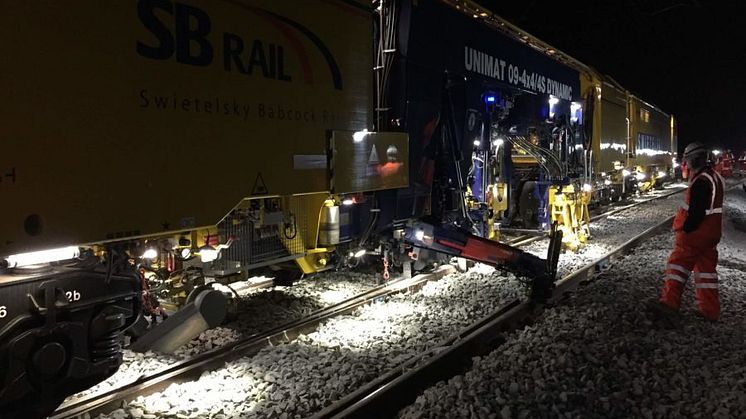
490 99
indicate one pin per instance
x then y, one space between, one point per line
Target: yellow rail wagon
638 142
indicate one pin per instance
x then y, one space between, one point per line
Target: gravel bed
300 378
599 355
259 310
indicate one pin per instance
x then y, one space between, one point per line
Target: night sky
687 57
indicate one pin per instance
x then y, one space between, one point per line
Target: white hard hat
693 149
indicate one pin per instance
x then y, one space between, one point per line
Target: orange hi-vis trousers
697 258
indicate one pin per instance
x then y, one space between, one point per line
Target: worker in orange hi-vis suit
698 226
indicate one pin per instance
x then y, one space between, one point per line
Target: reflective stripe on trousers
701 262
708 280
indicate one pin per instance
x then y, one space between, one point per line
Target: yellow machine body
134 120
497 199
569 211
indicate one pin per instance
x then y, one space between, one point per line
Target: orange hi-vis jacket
711 226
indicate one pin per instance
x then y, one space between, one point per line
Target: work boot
663 315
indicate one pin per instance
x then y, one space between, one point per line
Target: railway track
192 368
388 394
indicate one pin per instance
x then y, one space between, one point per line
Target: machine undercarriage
62 330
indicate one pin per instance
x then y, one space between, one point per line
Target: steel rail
192 368
398 388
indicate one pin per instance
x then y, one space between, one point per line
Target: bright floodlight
360 135
552 102
661 173
208 254
43 256
499 142
574 108
419 235
360 253
150 253
587 187
348 201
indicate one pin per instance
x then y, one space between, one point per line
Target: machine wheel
286 278
47 355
